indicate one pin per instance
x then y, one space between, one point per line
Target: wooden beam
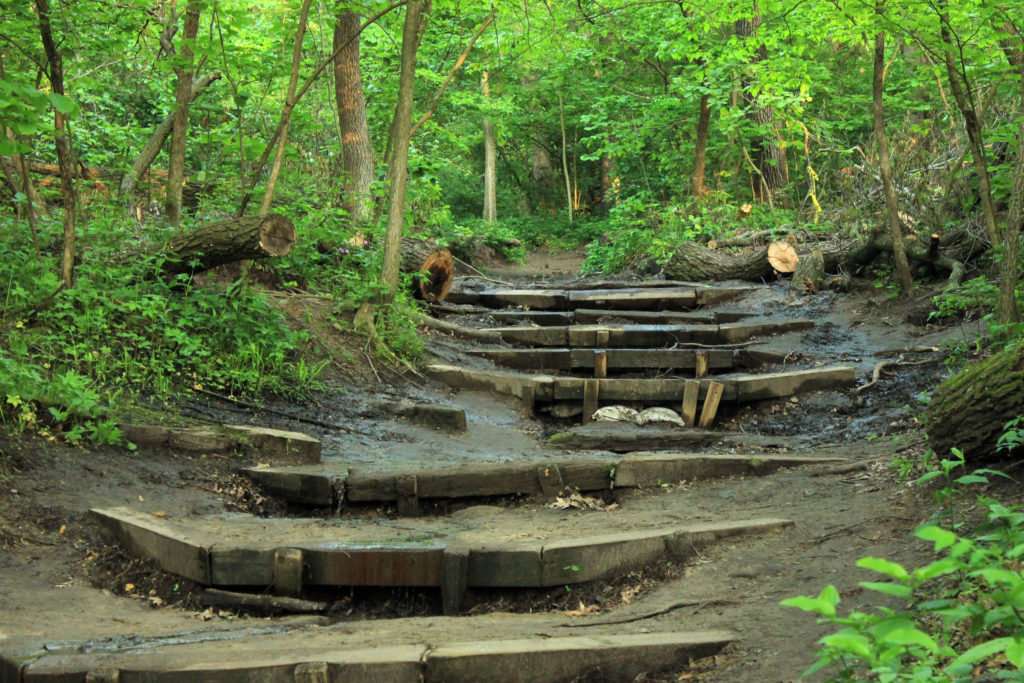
691 392
591 387
710 409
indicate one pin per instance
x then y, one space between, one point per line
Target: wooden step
332 484
736 387
240 550
591 316
325 653
542 318
620 437
628 298
628 359
648 336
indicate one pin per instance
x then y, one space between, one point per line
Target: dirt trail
52 561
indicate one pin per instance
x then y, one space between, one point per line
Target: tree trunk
67 187
400 147
769 156
130 179
490 162
565 162
237 239
1006 311
419 256
293 83
179 131
356 152
963 93
968 410
700 149
899 252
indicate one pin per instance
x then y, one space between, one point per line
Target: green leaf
982 651
1015 652
64 104
898 590
847 641
943 538
877 564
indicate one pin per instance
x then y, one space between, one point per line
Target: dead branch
488 336
876 374
654 613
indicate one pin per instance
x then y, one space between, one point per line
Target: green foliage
953 615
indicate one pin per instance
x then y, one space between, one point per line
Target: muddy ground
59 581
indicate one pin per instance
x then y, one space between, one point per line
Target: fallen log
436 264
237 239
970 409
692 261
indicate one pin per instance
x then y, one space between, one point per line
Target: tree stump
782 257
968 410
437 264
809 274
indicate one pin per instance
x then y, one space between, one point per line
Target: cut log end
782 257
277 235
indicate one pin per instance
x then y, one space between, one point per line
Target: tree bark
293 82
400 148
769 156
356 151
700 148
565 161
694 262
490 161
964 96
179 131
968 410
67 187
419 256
130 179
238 239
1006 311
899 252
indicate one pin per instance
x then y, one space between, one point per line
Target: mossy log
238 239
968 410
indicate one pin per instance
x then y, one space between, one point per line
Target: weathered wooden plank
426 414
588 475
173 547
611 390
606 657
305 487
462 297
713 295
275 445
496 381
505 565
542 318
594 557
624 438
652 469
783 384
480 480
591 391
454 579
710 408
236 565
737 332
529 359
691 395
365 487
634 299
533 336
341 564
686 542
634 336
590 316
545 299
288 572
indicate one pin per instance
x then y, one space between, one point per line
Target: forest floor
60 582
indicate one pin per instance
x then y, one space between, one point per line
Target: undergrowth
957 618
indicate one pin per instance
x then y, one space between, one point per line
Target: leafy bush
960 614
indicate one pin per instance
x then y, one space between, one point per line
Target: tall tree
182 99
899 250
490 160
55 71
769 156
290 99
356 152
400 130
